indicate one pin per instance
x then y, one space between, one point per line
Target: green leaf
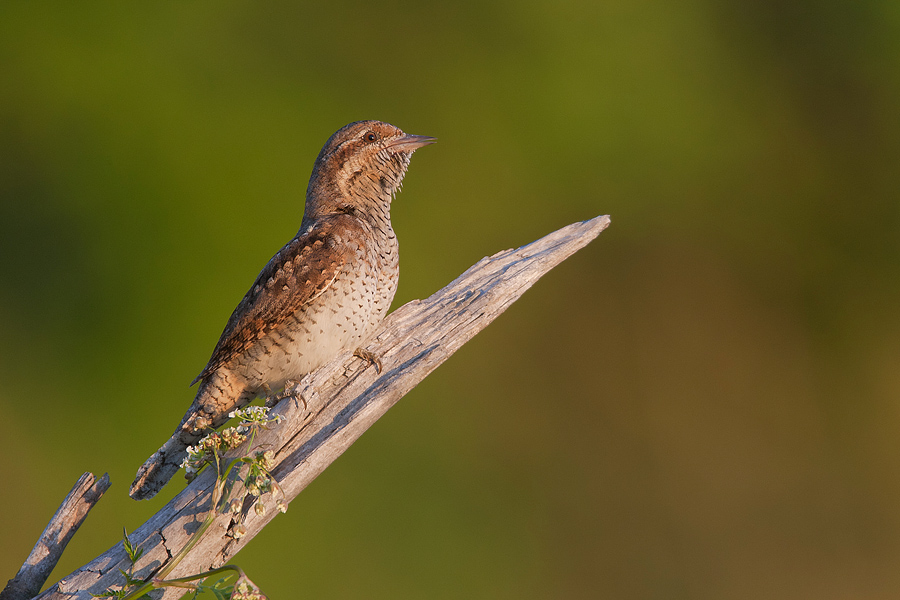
110 594
219 594
133 554
129 549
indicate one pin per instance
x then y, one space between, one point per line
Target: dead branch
330 408
50 546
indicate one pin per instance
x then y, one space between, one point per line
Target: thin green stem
155 582
182 580
218 494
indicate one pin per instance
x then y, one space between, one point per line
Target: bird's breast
339 319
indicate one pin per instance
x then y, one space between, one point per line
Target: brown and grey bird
324 292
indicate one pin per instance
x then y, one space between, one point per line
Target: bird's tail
215 399
159 468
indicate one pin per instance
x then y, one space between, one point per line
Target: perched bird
324 292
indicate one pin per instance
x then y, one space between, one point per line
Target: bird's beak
408 143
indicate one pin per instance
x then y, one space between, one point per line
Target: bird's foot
290 390
369 357
269 397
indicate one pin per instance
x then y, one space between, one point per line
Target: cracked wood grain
330 408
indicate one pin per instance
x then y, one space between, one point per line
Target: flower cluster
244 589
255 415
257 482
211 447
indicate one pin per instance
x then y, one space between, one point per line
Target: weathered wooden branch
330 408
53 541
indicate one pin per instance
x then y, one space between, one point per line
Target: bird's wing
299 273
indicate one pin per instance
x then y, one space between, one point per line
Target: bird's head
361 165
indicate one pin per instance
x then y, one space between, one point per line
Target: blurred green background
703 403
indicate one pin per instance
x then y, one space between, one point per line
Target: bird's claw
369 357
273 398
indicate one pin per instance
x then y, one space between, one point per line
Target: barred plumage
322 293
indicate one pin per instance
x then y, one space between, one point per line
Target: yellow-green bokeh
703 403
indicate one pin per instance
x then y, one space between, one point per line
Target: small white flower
239 531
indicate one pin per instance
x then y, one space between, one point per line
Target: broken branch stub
74 509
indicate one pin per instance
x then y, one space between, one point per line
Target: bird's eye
371 137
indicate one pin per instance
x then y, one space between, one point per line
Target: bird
322 293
